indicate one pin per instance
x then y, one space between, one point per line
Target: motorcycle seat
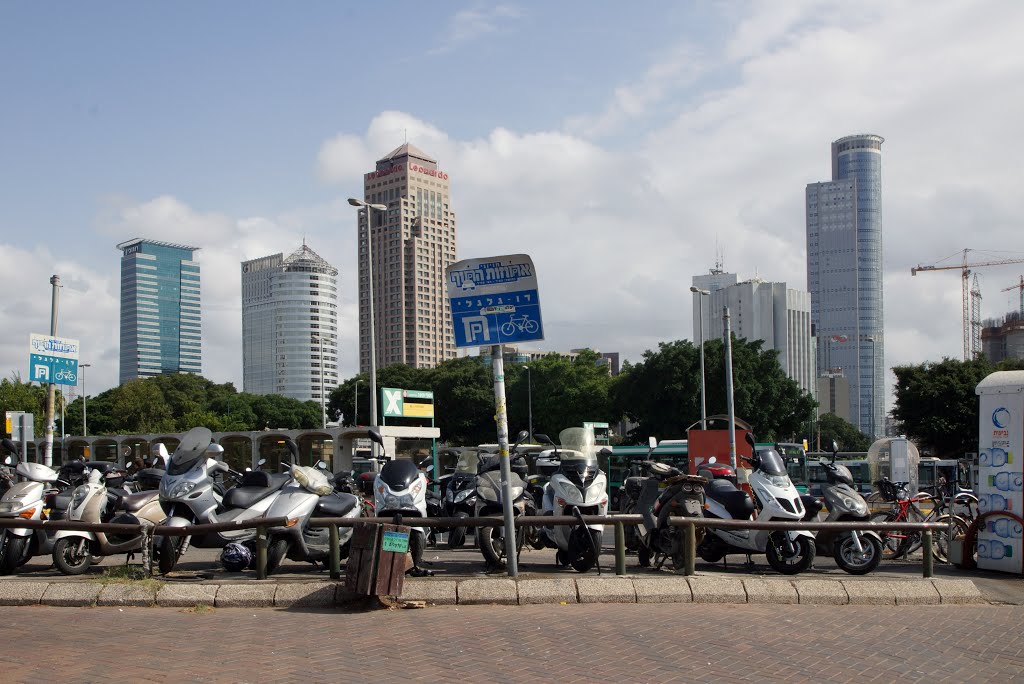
736 501
255 486
62 499
133 503
336 505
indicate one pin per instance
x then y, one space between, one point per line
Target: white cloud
471 24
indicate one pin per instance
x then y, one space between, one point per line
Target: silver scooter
26 500
309 493
190 495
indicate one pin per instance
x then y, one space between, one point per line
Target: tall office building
758 310
290 325
413 243
844 275
161 320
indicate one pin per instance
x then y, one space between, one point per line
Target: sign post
495 301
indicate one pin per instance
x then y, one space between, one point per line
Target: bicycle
899 543
523 323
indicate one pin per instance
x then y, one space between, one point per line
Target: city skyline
617 170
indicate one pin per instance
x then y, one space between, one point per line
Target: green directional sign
395 406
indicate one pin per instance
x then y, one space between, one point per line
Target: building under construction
1003 339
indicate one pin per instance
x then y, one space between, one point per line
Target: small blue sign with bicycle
494 301
53 360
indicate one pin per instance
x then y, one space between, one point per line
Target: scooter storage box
718 471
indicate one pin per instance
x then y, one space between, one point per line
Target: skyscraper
412 246
290 313
161 320
759 310
844 274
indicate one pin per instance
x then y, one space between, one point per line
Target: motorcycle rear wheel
67 558
276 553
582 545
167 554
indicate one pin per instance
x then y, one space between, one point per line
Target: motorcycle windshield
192 448
399 474
467 464
577 444
771 462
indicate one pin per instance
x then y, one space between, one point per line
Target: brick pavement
573 643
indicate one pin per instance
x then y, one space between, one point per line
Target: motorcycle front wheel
276 553
797 561
584 548
68 558
856 563
457 537
12 548
167 554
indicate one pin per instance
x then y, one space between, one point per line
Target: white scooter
577 488
400 489
309 493
26 500
775 498
189 495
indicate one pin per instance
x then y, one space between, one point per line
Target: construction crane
1019 286
971 296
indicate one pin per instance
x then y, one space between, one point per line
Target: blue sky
618 145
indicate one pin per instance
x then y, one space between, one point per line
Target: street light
355 411
369 272
85 397
316 339
529 399
700 303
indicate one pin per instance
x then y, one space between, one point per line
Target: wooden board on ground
391 565
360 573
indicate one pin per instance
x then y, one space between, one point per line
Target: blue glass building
161 319
844 275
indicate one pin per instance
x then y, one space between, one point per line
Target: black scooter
683 496
460 493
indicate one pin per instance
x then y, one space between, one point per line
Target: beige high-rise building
412 246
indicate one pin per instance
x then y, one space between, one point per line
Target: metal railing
689 525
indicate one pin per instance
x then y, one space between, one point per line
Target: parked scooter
191 495
775 498
400 489
74 551
682 496
460 494
489 502
27 500
309 493
857 553
578 488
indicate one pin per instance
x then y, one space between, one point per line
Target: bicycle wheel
892 540
940 538
507 329
915 539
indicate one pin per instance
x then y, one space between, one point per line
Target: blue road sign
53 369
494 301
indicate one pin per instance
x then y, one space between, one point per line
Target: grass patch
199 609
129 574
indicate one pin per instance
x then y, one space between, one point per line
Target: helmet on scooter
235 557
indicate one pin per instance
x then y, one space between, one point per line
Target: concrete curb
506 591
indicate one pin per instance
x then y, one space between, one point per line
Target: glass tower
844 275
290 314
161 320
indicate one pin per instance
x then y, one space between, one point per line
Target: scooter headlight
779 480
79 495
571 495
450 496
394 503
181 489
463 495
854 505
9 506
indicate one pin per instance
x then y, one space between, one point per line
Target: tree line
658 396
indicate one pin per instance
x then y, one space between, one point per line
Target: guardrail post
689 549
261 552
929 559
335 552
620 549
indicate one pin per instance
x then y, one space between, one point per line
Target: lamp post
700 325
529 399
355 411
369 290
728 386
85 398
319 340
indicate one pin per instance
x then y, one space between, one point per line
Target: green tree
25 397
846 435
139 407
662 392
936 405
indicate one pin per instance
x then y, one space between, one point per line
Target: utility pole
51 396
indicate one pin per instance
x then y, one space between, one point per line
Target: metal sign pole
728 386
501 416
24 437
48 450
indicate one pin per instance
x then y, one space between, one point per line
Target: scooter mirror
542 438
374 435
322 465
712 460
652 442
835 448
8 460
606 452
215 451
522 436
9 445
750 439
260 462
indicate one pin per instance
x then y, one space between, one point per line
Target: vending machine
1001 470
